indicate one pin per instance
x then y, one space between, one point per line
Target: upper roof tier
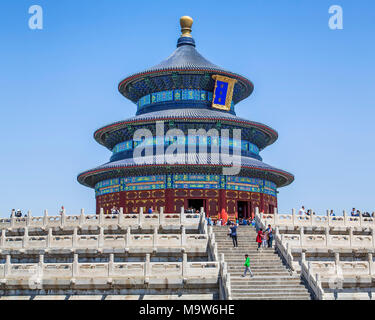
185 71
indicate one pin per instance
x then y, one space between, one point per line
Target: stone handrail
316 272
103 241
334 273
312 281
121 219
224 280
225 285
285 251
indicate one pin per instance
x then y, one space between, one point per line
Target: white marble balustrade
159 270
296 220
191 220
128 240
329 241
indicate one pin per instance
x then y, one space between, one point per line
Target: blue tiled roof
188 60
185 57
193 159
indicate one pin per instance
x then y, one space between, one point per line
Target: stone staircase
272 280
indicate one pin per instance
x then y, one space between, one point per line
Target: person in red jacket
259 238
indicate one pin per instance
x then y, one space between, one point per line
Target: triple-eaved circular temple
184 92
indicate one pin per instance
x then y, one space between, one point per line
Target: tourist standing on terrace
259 238
301 211
233 234
353 212
247 266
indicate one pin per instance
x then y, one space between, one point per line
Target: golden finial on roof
186 22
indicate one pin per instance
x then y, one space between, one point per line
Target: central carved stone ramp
272 279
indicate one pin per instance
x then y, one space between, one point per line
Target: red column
262 208
248 209
222 200
169 200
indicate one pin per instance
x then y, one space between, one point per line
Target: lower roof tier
188 163
183 119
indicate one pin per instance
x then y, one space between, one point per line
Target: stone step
268 293
253 268
264 278
271 286
271 281
278 290
302 297
253 284
264 273
255 264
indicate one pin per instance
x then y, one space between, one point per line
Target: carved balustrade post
147 266
3 239
101 237
101 216
184 265
7 266
370 262
155 238
275 217
111 264
182 216
81 218
62 222
28 218
257 213
327 236
161 216
45 219
351 236
75 238
25 241
128 238
183 236
12 220
337 262
75 265
121 217
301 235
293 217
40 267
140 217
49 238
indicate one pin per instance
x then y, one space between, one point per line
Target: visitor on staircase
247 266
264 239
233 234
270 236
259 238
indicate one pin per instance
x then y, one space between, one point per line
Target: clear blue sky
315 86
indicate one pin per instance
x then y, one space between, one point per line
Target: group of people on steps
263 238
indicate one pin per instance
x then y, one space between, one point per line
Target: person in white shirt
301 211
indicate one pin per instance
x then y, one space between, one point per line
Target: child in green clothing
247 266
